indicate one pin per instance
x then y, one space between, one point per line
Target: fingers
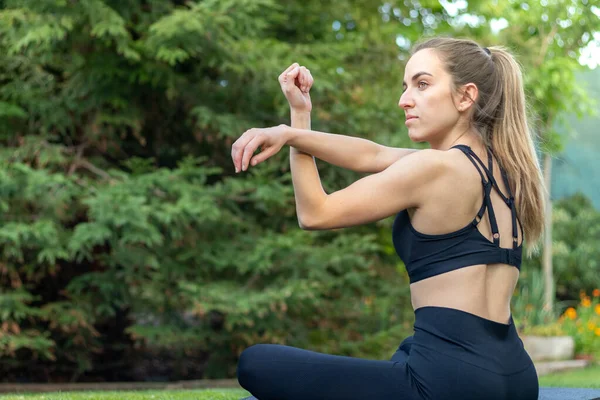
294 73
284 77
302 78
238 148
290 68
243 150
249 150
306 79
262 156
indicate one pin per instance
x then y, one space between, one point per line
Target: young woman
462 209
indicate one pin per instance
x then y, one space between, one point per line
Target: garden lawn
583 378
204 394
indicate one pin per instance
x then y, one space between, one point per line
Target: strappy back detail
427 255
488 184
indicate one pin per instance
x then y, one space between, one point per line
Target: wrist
299 111
290 135
300 119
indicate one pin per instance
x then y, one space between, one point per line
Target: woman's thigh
278 372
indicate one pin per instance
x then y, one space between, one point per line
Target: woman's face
427 100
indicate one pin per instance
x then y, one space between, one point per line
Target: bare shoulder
440 171
425 171
459 179
459 166
426 163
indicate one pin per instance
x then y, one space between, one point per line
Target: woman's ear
468 97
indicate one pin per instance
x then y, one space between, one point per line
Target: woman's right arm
349 152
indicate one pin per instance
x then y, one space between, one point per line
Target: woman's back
483 289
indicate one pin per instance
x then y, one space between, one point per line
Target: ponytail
512 142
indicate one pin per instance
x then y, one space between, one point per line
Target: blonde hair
500 116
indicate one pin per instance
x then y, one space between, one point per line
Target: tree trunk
547 254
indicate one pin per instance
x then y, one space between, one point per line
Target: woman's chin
415 137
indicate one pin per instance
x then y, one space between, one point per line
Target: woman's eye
421 84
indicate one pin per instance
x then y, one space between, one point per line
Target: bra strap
490 174
465 150
510 200
487 189
513 210
492 215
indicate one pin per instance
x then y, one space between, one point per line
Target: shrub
583 323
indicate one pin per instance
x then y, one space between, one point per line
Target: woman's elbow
307 224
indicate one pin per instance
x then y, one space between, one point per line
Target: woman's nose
405 101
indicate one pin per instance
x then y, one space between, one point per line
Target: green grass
583 378
212 394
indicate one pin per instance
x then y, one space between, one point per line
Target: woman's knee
246 368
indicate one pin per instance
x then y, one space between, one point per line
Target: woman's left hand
271 140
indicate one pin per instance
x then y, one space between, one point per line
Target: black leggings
452 355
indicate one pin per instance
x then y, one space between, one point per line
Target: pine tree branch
81 162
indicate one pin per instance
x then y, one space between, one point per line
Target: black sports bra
428 255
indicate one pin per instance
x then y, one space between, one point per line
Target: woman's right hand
296 82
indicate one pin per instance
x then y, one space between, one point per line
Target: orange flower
591 326
596 293
597 331
586 302
582 293
571 313
597 309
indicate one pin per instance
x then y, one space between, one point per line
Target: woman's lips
410 118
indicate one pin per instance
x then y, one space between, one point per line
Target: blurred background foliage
130 250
